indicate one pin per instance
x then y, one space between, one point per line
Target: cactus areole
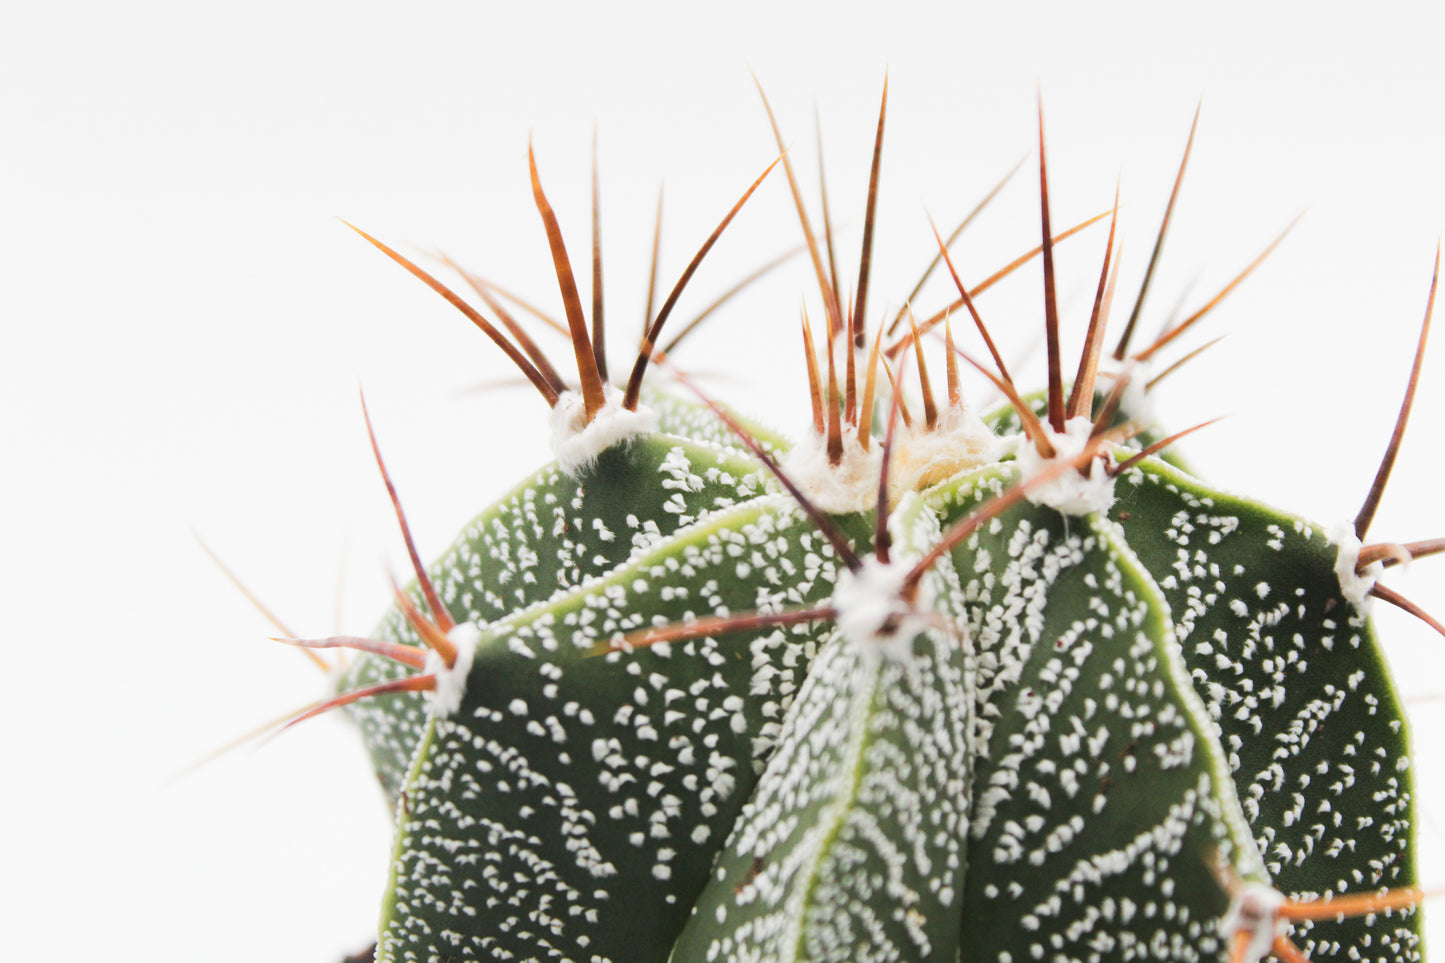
929 684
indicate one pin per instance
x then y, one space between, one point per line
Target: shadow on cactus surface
931 683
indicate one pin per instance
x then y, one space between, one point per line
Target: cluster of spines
588 342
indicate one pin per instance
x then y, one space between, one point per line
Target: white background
185 323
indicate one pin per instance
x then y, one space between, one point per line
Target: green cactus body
1077 706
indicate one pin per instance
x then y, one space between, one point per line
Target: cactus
929 684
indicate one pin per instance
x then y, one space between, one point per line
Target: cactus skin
1095 728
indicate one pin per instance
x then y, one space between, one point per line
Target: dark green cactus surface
1075 704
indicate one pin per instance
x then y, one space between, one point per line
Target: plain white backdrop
185 324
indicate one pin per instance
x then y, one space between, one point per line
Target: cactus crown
929 684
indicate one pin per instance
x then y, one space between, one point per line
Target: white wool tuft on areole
1071 492
576 442
958 442
1255 912
872 613
1355 586
446 698
849 486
